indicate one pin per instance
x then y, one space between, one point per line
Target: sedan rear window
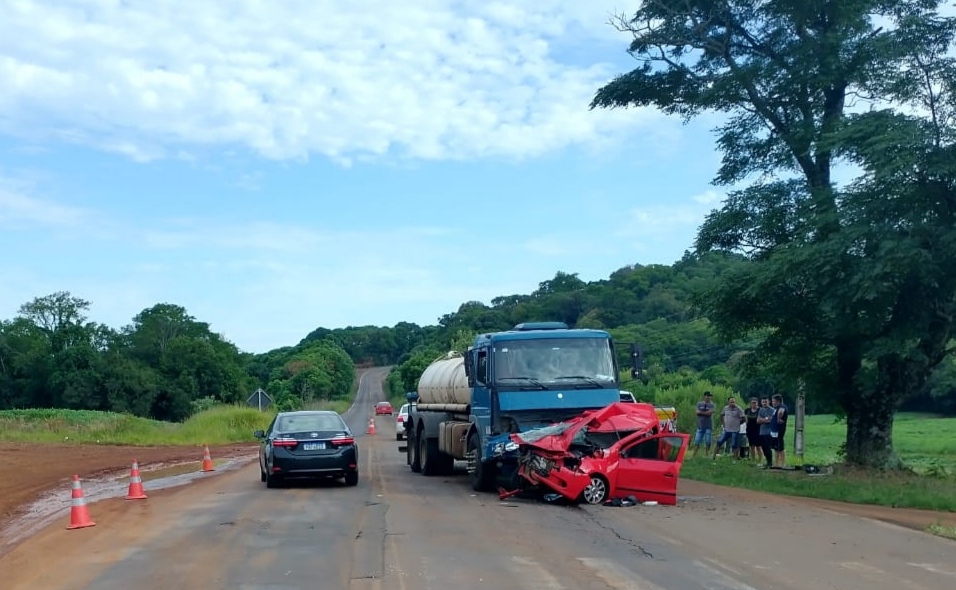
315 422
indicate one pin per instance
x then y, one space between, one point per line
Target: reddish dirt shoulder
27 470
905 517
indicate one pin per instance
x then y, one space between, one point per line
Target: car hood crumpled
617 417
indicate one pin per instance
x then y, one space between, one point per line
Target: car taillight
401 418
344 441
284 442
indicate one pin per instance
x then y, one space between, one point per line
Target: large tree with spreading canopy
853 284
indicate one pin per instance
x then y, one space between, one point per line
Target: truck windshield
551 362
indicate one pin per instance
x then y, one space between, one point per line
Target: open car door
649 468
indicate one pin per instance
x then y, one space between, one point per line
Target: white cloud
437 79
647 227
18 210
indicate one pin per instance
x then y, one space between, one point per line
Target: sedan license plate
313 446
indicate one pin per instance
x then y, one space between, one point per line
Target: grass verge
942 530
215 426
926 444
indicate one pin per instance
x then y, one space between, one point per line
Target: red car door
650 467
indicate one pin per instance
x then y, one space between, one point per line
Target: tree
820 273
60 316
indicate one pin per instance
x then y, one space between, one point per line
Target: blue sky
274 167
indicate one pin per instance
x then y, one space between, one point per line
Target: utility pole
798 418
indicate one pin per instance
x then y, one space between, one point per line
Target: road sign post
259 399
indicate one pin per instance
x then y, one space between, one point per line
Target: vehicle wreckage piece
614 452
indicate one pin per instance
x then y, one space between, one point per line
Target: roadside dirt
26 470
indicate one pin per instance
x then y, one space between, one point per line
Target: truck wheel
411 452
483 477
429 455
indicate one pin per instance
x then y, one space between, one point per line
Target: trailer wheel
411 452
483 476
429 454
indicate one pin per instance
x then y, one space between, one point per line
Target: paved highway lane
403 531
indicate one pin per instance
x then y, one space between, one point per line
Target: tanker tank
444 384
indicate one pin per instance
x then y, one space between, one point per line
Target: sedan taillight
285 442
342 442
400 418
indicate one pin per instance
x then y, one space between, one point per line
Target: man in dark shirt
778 429
705 423
753 430
765 416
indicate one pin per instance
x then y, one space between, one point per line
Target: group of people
757 431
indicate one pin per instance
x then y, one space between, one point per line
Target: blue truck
468 404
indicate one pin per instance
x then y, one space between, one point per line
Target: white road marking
932 567
726 580
533 575
862 568
877 575
723 566
616 576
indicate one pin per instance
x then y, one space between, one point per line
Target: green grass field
926 444
218 425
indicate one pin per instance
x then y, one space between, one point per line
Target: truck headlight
498 449
511 446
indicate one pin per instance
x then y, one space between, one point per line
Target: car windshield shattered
539 433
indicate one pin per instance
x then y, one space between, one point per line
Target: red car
383 408
618 451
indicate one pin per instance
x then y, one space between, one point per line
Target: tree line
165 364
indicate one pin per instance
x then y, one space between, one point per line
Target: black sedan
309 443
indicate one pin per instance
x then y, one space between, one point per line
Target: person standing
779 430
753 429
705 423
731 419
764 416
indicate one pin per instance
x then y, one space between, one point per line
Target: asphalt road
397 530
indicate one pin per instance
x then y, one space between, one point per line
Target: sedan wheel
596 492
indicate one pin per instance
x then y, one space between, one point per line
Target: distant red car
618 451
383 408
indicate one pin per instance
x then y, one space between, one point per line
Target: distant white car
400 419
627 397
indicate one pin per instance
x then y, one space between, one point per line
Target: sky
274 167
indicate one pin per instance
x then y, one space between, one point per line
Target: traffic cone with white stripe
79 513
207 460
371 426
135 484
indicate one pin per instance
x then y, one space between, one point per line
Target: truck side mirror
481 374
469 362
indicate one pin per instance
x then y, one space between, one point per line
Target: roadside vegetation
214 426
926 445
942 530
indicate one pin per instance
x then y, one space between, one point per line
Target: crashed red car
614 452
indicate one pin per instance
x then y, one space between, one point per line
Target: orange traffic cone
79 514
206 459
135 484
371 426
